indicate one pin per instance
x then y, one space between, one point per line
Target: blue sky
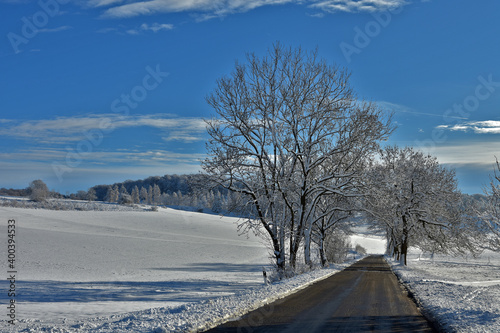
95 92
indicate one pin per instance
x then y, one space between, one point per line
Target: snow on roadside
463 295
193 317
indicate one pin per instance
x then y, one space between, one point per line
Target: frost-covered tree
284 126
416 201
156 197
149 199
91 194
331 213
80 195
125 199
135 195
113 194
123 190
38 190
490 214
143 195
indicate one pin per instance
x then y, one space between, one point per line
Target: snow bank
463 295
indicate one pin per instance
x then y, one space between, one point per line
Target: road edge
426 313
273 298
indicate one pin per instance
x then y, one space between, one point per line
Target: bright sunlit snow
74 264
373 244
170 271
462 293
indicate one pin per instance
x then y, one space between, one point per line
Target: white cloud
66 129
131 157
61 28
19 169
217 8
480 154
155 27
103 3
478 127
357 5
64 155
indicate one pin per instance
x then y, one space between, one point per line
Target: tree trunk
322 250
307 248
404 251
295 239
279 254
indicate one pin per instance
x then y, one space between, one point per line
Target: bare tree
331 212
416 201
286 126
490 214
38 190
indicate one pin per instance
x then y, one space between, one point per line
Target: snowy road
366 297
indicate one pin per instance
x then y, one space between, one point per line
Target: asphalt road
365 297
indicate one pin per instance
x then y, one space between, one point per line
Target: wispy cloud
68 148
218 8
67 129
478 127
357 5
58 29
100 167
103 3
155 27
480 154
110 157
397 108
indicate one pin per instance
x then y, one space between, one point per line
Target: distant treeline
26 192
170 190
168 184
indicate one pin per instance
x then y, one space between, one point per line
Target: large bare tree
288 131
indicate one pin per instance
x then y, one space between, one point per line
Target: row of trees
211 199
293 149
291 138
167 184
416 202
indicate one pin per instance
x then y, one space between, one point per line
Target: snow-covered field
74 265
134 271
171 270
463 294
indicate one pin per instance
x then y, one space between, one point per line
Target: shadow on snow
191 290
